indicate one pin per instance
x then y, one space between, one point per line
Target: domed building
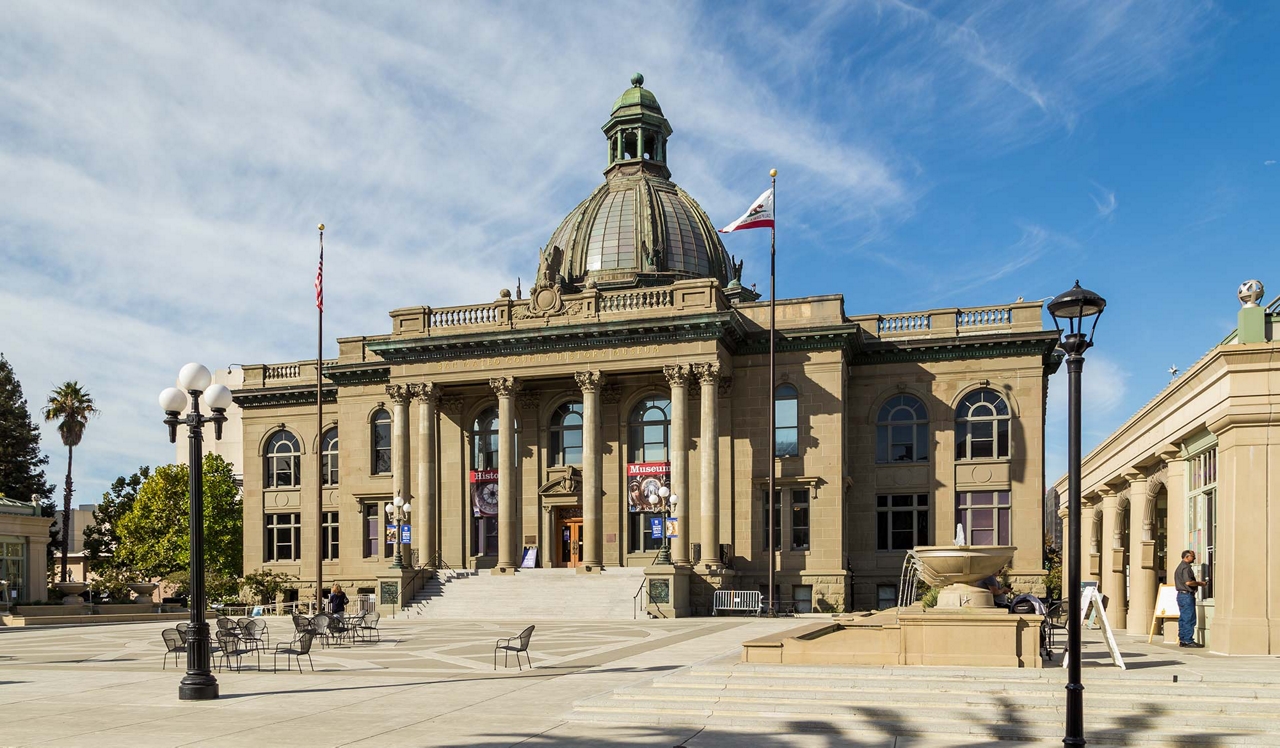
611 431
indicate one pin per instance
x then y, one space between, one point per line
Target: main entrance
569 536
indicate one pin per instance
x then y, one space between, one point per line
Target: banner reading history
484 493
643 480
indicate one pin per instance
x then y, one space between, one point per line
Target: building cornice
271 397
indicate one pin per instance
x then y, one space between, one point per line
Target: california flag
759 217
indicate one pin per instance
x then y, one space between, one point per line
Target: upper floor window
902 431
650 430
484 441
786 421
566 435
283 467
380 433
982 426
329 457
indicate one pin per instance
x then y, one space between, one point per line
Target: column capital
589 381
707 373
677 374
400 394
1134 475
427 392
504 386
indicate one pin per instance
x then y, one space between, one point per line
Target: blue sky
164 168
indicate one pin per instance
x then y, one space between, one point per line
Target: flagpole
773 409
319 430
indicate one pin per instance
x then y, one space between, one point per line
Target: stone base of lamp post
584 569
396 587
668 591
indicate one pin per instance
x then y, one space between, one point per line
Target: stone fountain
956 568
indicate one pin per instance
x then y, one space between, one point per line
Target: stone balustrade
939 323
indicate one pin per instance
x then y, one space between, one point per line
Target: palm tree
71 406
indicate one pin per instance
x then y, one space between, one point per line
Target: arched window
284 461
786 421
982 426
380 433
329 457
902 431
650 430
484 442
566 435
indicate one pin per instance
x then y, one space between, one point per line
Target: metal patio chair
255 634
174 643
368 630
515 644
231 646
295 649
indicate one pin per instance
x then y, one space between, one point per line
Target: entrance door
570 536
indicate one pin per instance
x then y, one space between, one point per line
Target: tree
101 539
154 540
71 406
21 464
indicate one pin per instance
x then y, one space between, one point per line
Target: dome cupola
638 228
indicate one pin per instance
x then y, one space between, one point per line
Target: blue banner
655 528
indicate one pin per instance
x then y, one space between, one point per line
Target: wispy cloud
1105 200
1103 386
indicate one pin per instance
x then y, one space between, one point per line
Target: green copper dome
638 228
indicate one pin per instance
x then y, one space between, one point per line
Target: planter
143 590
71 592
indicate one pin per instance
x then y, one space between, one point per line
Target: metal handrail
635 599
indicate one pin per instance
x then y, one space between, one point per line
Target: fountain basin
956 568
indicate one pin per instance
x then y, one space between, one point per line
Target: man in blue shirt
1184 581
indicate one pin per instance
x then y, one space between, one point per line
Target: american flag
320 276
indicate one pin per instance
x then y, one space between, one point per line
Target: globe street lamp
1075 306
194 382
669 501
398 510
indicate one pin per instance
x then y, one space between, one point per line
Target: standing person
1184 581
337 600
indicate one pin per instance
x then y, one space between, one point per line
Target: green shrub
113 584
930 598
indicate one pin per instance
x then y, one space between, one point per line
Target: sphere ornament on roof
638 228
1250 293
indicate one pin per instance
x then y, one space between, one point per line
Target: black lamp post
1074 305
198 684
398 510
669 501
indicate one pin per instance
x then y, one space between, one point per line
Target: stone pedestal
965 596
706 582
396 587
668 591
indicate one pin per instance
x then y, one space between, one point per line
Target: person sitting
999 593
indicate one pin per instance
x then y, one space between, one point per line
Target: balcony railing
940 323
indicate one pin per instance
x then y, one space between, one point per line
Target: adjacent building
536 432
1197 468
24 537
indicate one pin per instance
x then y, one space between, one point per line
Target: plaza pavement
427 683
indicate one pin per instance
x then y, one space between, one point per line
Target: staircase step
539 594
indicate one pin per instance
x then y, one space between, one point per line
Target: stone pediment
563 486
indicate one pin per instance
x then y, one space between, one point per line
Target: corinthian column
400 395
592 500
428 511
709 379
508 522
678 378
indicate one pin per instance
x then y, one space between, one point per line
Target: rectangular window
484 536
284 537
886 596
330 529
777 523
985 516
800 519
803 595
902 522
1202 520
640 532
329 468
375 520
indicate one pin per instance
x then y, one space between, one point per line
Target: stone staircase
1121 707
530 594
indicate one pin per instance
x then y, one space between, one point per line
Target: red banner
644 479
484 493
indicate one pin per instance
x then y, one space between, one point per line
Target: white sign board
1091 601
1166 607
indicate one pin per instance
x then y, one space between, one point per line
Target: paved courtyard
426 684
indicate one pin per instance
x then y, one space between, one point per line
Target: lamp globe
173 400
194 376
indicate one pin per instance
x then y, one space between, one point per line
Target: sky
163 167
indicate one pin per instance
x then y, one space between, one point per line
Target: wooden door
570 537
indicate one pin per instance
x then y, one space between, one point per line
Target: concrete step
1121 707
537 594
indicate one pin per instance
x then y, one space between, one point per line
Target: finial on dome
637 80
